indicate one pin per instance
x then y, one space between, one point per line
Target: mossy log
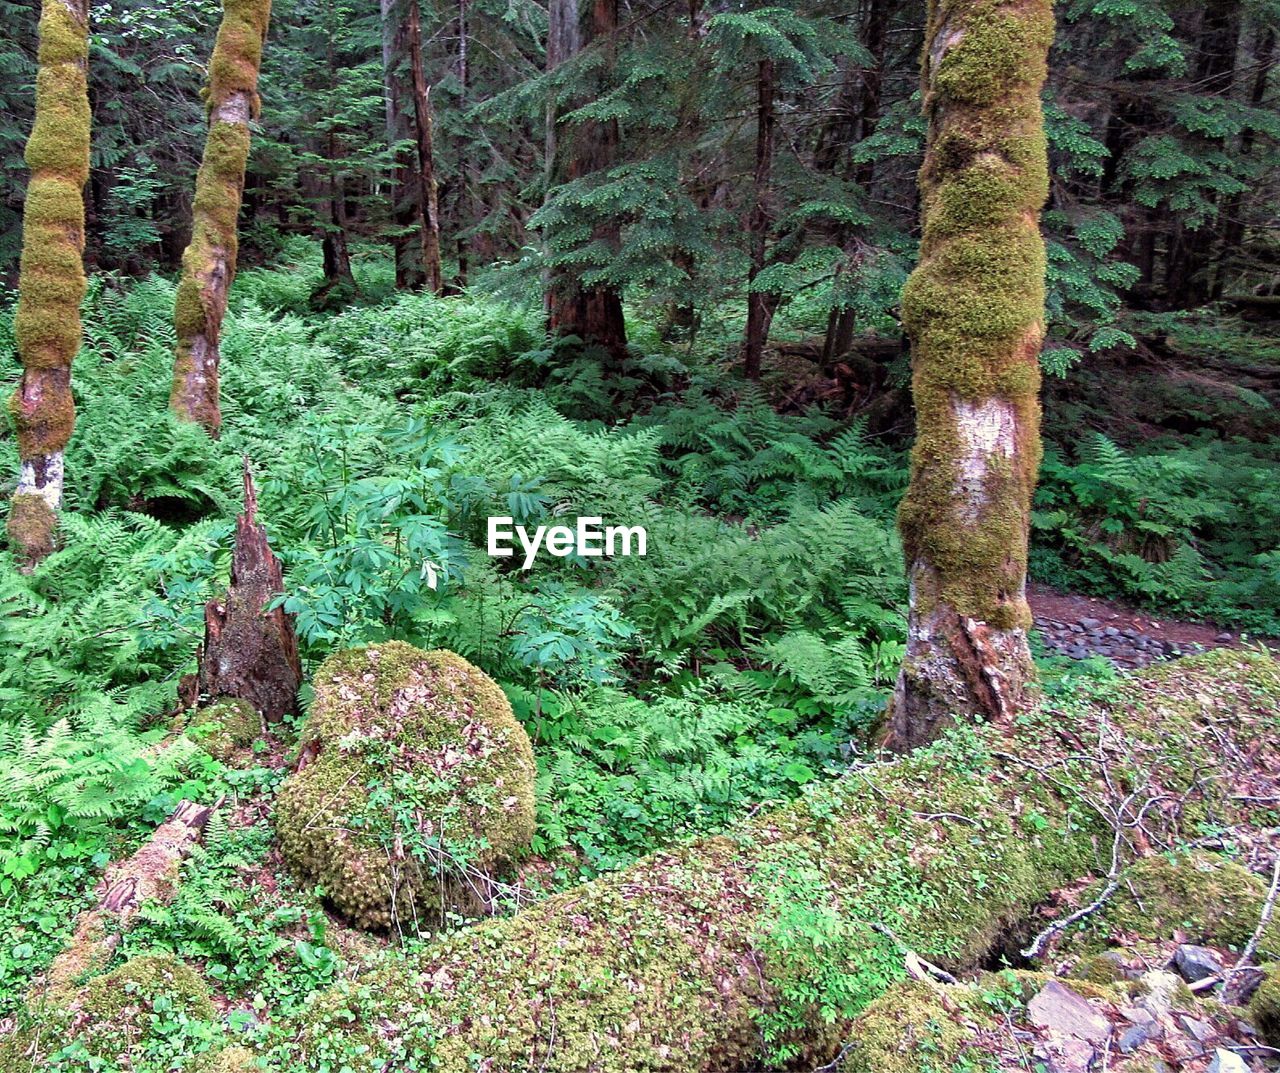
209 263
51 281
249 652
150 874
974 311
680 962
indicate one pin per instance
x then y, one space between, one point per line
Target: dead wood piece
151 874
250 652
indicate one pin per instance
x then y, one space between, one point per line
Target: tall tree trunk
51 280
406 206
1232 212
861 124
760 305
430 201
593 313
1187 263
974 311
339 280
209 264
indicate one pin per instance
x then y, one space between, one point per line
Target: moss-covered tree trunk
701 957
51 279
209 264
974 310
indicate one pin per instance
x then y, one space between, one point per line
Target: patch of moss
421 773
915 1027
226 729
1201 898
32 527
1264 1007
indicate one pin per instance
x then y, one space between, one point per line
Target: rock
1090 623
1133 1038
1225 1061
405 751
1059 1009
1200 1031
1111 631
1197 962
1075 627
1163 989
1224 638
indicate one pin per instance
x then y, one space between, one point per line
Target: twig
1264 918
1113 883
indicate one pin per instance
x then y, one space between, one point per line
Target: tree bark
406 207
209 263
1233 208
594 313
427 187
760 305
1188 275
974 311
250 652
51 280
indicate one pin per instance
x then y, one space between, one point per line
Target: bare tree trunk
974 310
250 652
51 281
209 264
760 305
426 152
407 219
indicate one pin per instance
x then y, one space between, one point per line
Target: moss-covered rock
416 781
1264 1007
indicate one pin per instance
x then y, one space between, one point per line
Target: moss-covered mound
226 729
916 1027
415 781
1197 897
1264 1007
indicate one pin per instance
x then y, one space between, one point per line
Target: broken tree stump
250 652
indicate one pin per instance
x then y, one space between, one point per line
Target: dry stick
1113 883
1268 907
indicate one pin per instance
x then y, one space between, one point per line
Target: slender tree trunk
209 264
1233 209
51 280
974 310
594 313
406 202
875 38
760 305
340 281
1187 263
426 153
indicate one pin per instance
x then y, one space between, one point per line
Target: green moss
1197 897
1099 969
1002 48
420 766
1264 1007
915 1027
226 729
51 281
139 981
31 528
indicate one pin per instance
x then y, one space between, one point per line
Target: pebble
1126 648
1225 1061
1197 962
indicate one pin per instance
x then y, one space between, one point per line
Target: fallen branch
1251 947
151 874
